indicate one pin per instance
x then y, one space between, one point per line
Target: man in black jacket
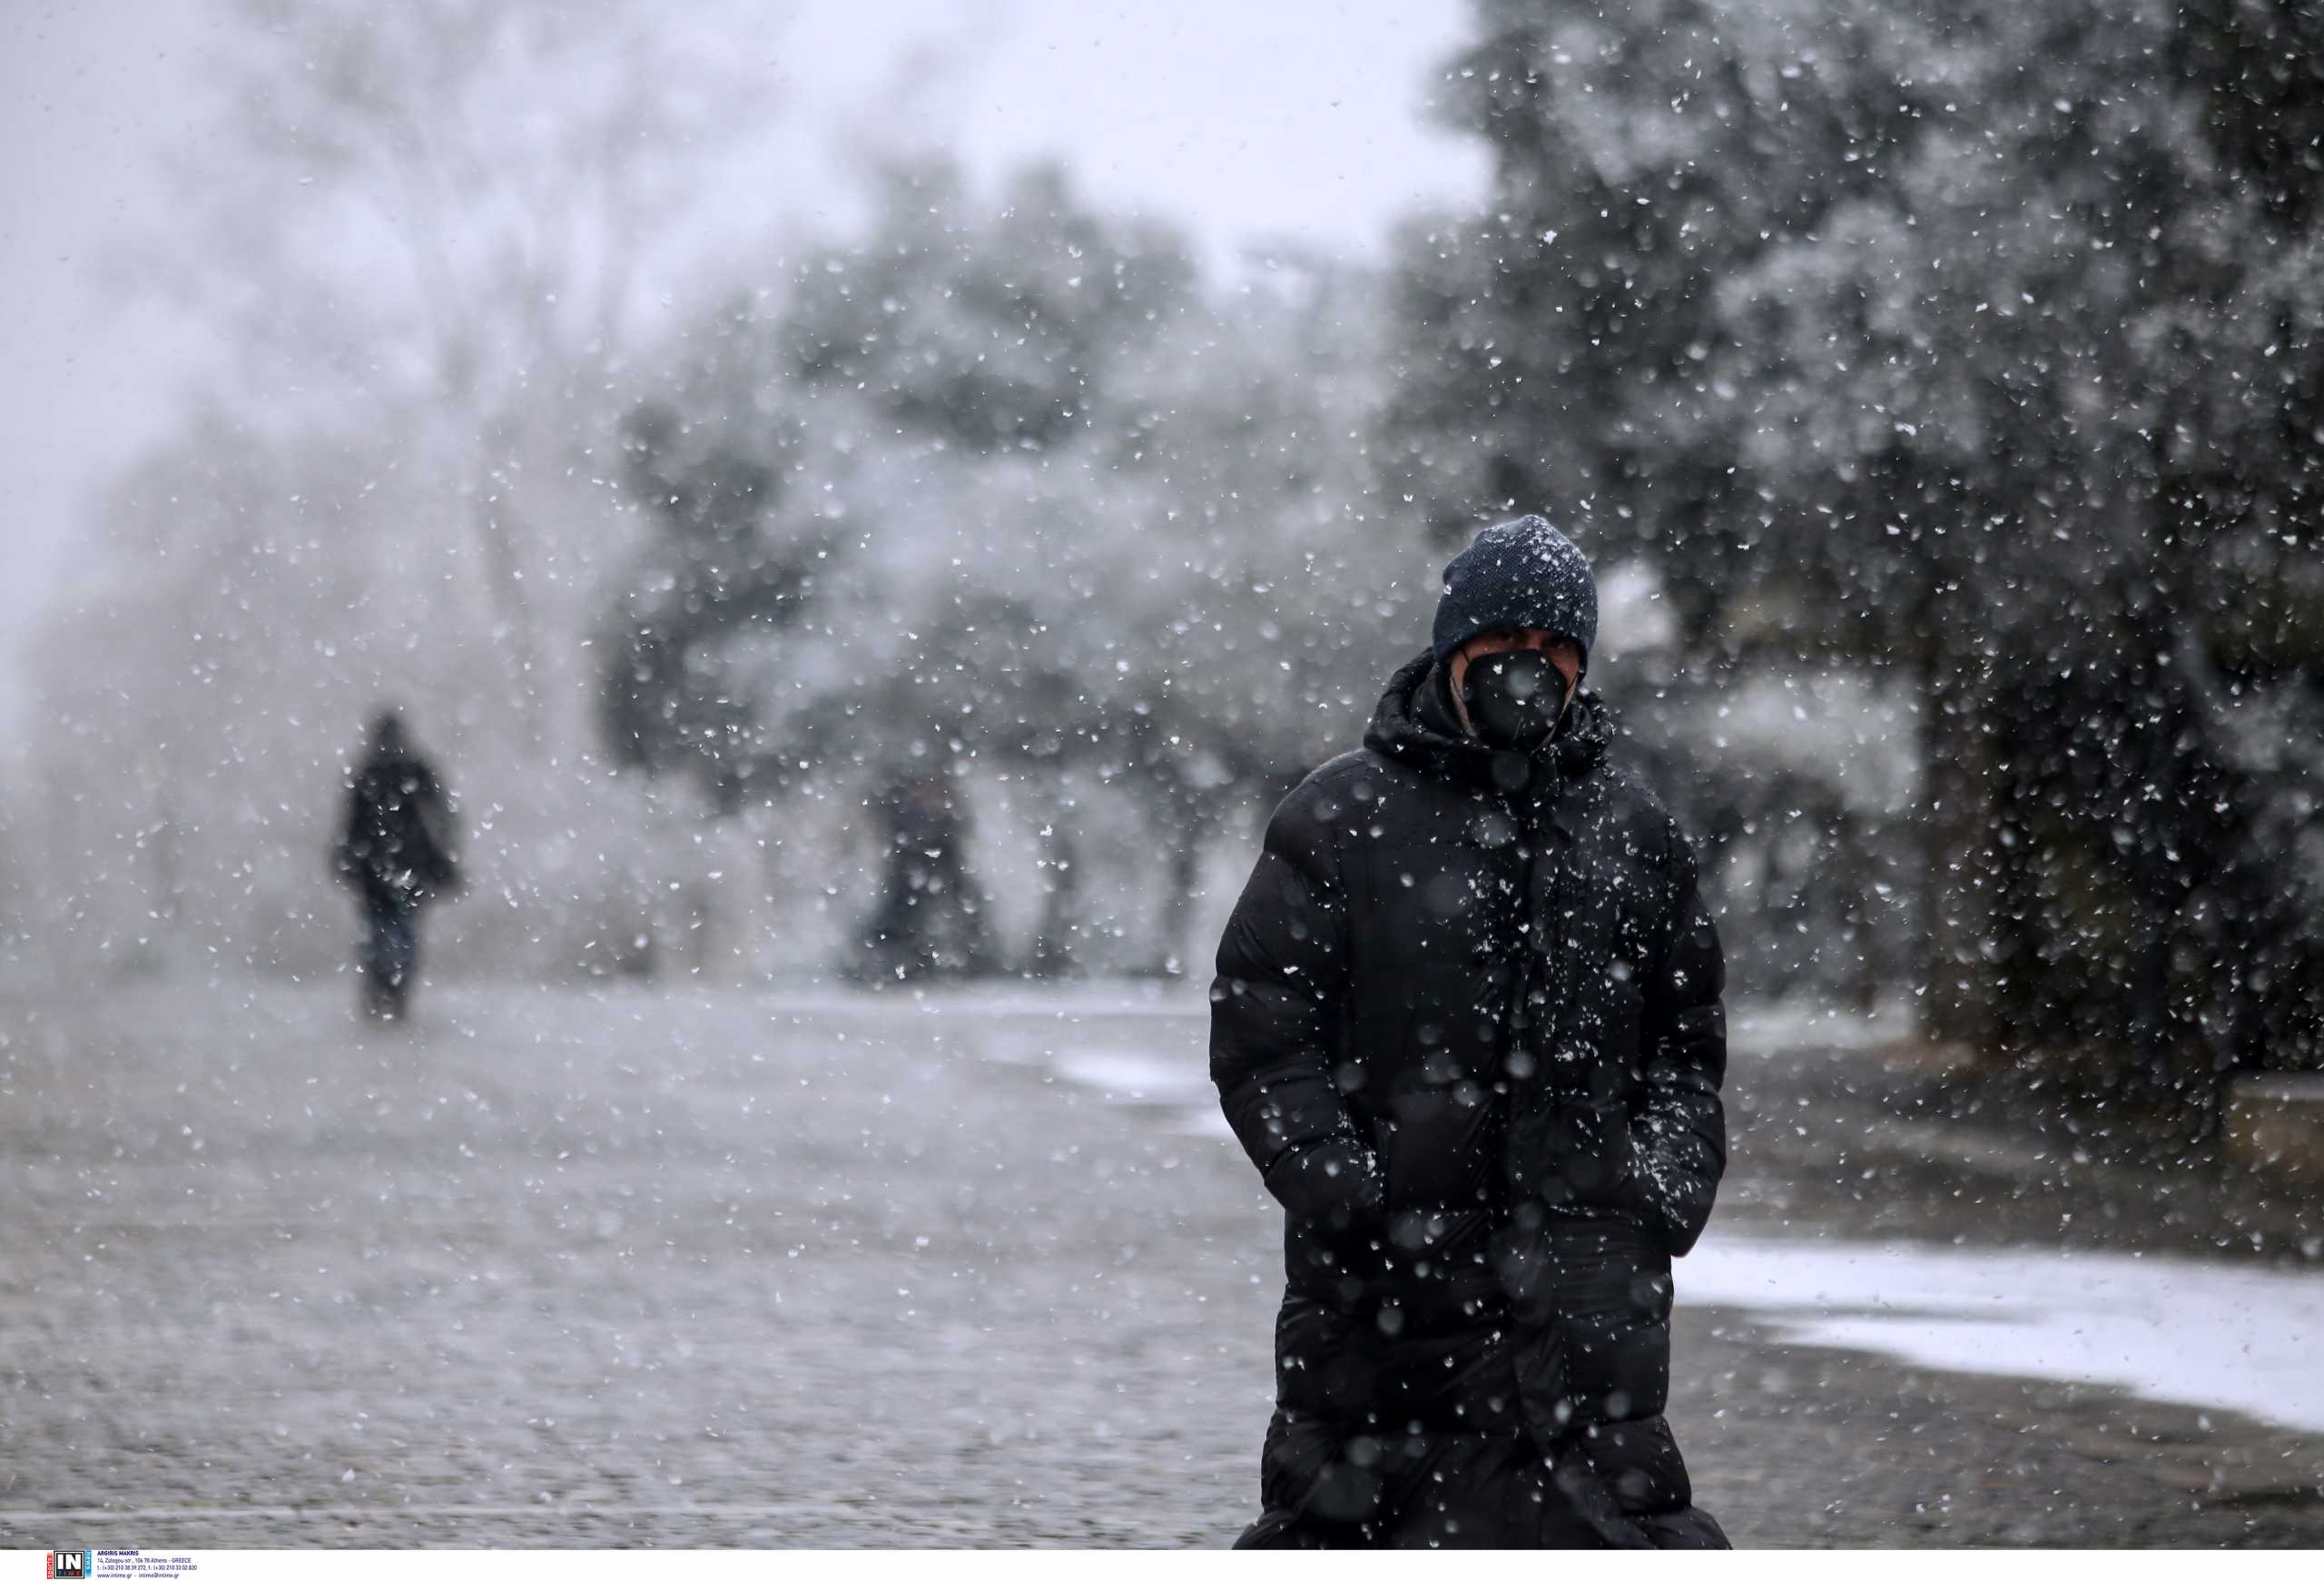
396 849
1467 1024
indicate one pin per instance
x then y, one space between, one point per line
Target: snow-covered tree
1981 350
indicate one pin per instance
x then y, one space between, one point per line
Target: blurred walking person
1467 1024
396 850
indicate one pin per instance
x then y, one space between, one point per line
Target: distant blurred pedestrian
1467 1024
930 920
396 850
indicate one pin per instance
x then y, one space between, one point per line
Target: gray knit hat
1519 574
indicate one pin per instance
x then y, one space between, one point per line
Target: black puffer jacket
1467 1024
395 845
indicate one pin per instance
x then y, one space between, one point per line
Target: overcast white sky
1239 121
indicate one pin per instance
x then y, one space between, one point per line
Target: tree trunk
1055 952
504 570
1178 895
1960 987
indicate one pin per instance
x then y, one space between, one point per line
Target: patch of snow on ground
1181 1085
1134 1075
2195 1333
1002 997
1781 1025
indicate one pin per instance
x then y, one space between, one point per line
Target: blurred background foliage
1938 393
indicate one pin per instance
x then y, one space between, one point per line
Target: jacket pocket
1594 1162
1613 1289
1435 1144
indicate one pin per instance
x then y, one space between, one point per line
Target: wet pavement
555 1269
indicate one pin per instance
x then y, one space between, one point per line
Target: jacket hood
1414 725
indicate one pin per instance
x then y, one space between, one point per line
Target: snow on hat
1517 575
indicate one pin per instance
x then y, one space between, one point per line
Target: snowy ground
2169 1328
2067 1312
559 1268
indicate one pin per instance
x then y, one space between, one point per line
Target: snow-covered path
570 1269
2169 1328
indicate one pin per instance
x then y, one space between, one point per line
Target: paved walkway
568 1270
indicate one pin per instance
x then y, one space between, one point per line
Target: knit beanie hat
1519 574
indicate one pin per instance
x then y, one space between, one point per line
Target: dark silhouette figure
930 920
396 849
1468 1024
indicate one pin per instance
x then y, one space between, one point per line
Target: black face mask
1514 698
